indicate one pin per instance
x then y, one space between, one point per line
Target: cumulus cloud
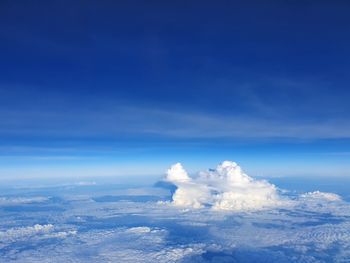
177 174
317 195
25 232
37 231
225 188
307 231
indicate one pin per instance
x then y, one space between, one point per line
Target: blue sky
91 88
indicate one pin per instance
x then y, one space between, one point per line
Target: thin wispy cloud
168 123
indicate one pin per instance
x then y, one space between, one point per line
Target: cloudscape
174 131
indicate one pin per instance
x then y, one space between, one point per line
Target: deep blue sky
107 87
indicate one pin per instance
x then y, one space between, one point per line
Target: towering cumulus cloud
227 187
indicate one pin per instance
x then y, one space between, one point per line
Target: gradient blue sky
94 88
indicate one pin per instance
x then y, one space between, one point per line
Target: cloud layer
225 188
315 228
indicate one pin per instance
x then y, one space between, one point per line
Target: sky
91 88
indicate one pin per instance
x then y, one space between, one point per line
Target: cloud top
225 188
177 174
25 232
317 195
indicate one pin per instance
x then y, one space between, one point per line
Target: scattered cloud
321 196
314 228
22 200
34 233
14 234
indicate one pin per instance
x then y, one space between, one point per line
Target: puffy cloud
29 232
225 188
150 232
321 196
25 232
177 174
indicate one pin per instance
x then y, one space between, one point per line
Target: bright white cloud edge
228 188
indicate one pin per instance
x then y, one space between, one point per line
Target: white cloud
86 183
33 232
22 200
166 233
14 234
316 228
177 174
225 188
139 230
321 196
